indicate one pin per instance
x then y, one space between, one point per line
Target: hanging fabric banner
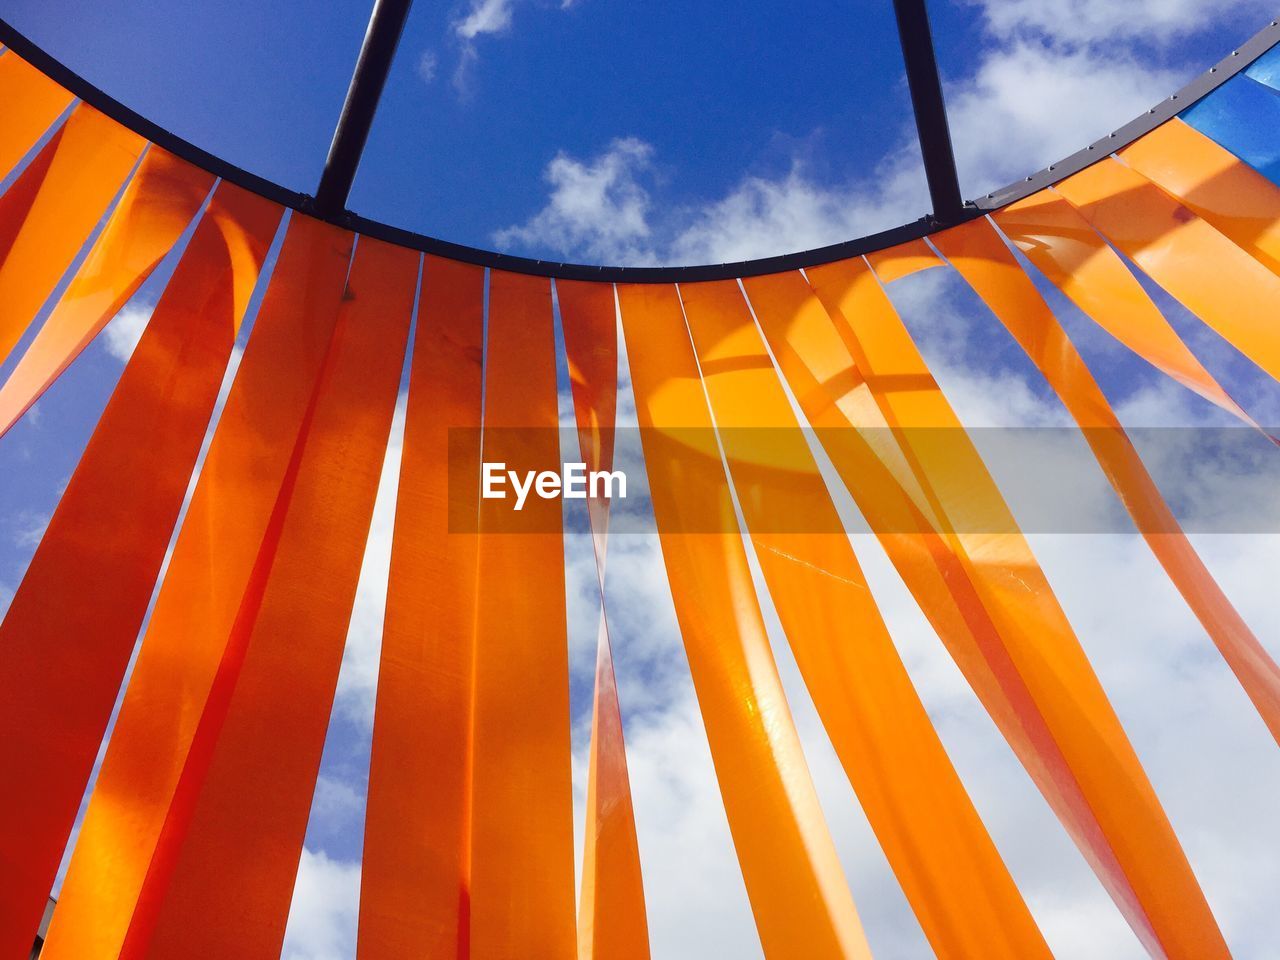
51 208
1242 115
156 207
66 639
522 875
935 842
798 893
415 873
611 911
208 575
32 102
1213 278
228 857
1214 184
1067 250
981 257
1066 732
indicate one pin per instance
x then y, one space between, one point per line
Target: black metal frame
386 24
1263 41
930 111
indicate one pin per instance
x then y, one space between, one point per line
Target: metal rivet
1091 146
1113 136
1213 69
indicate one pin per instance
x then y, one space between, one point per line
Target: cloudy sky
595 130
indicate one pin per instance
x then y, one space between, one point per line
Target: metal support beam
930 111
386 23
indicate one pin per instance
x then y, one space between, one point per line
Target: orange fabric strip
208 575
32 102
797 889
1212 277
982 258
157 206
612 922
936 844
225 870
49 211
1031 673
904 260
415 876
522 897
1214 184
1070 253
66 640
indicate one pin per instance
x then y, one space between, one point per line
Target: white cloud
125 330
598 208
322 917
1033 99
427 65
1109 22
484 17
29 527
1029 105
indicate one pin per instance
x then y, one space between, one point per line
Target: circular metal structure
1198 88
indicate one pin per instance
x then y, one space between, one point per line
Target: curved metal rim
1197 89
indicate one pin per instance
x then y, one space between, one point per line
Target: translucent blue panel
1243 115
1266 69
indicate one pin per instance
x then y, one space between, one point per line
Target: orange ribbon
522 899
1211 276
935 843
1028 667
222 878
1213 183
221 538
32 102
982 258
73 622
49 211
415 875
801 902
156 208
611 915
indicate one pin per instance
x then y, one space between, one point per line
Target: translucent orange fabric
72 624
234 832
47 214
797 889
156 207
194 832
32 102
415 874
611 911
1063 245
939 850
121 865
522 897
1214 184
1213 278
1063 727
982 258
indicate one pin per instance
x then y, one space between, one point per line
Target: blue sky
486 93
610 131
